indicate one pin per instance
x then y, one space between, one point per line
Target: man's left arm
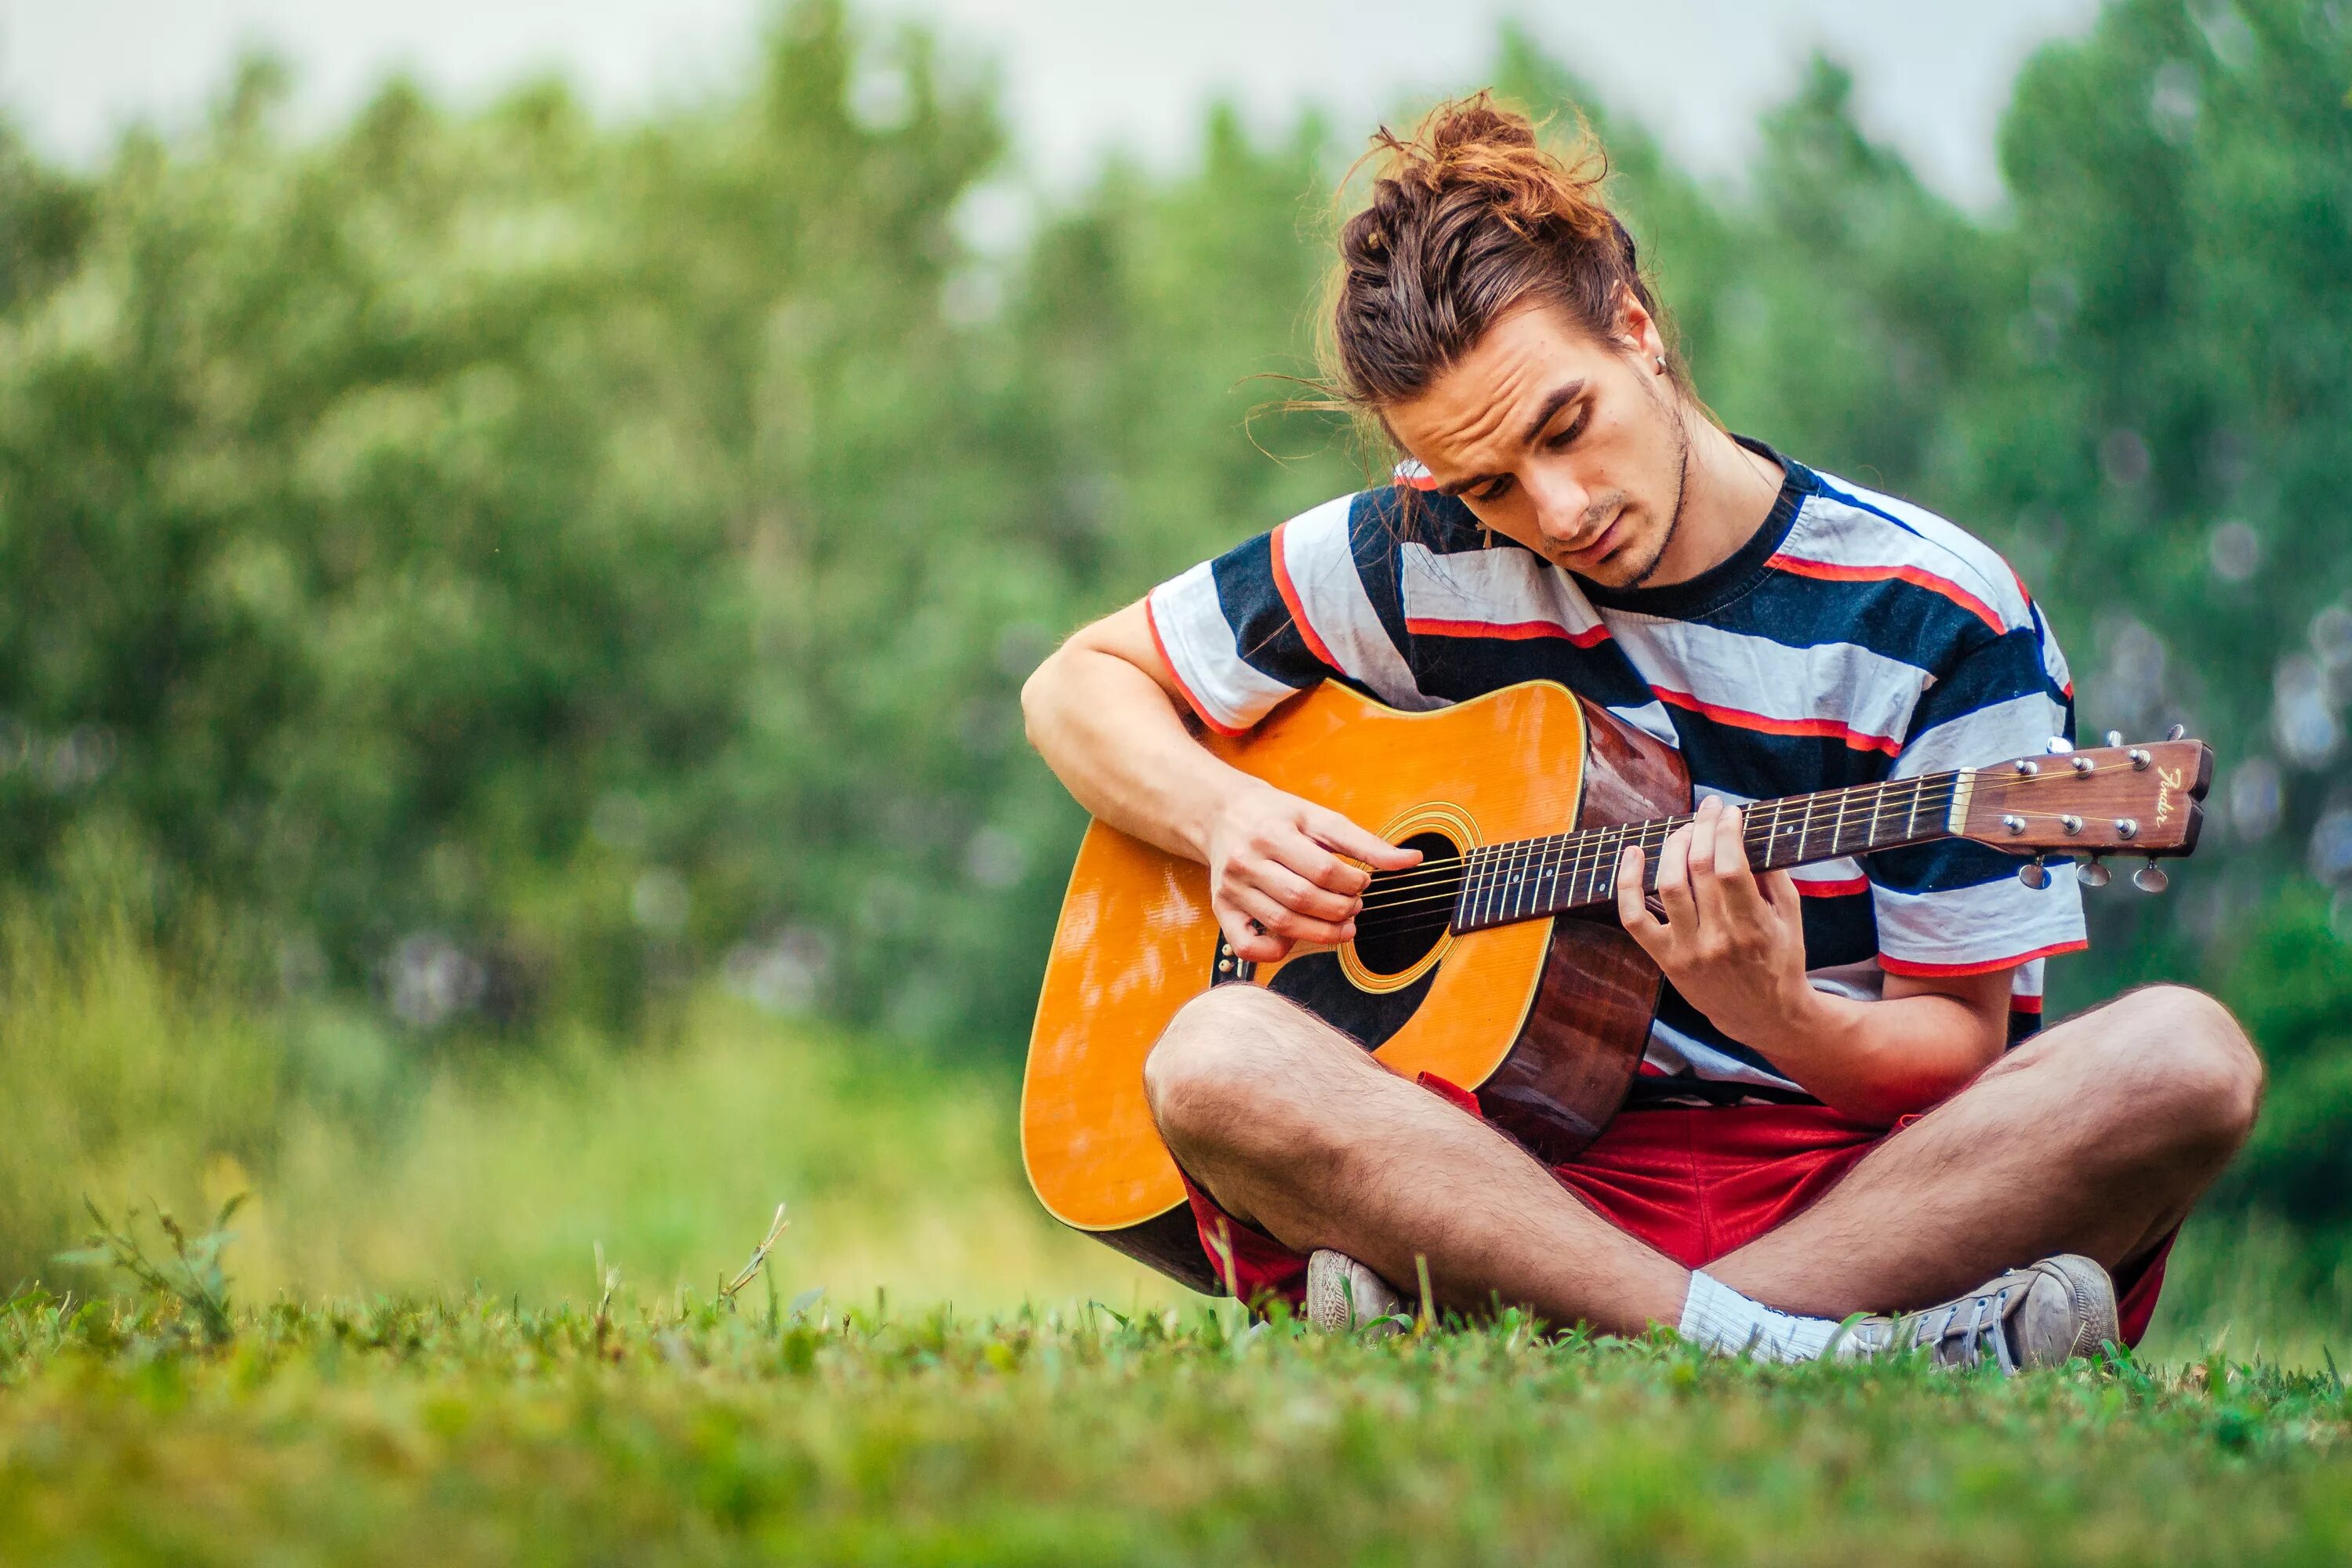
1733 945
1954 923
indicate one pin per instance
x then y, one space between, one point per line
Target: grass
471 1314
472 1432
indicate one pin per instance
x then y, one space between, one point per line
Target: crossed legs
2094 1137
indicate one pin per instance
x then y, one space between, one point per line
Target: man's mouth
1592 554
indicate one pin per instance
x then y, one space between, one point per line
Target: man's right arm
1111 719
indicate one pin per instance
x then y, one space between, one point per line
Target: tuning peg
2035 874
2092 873
2058 745
2176 732
2150 879
2115 737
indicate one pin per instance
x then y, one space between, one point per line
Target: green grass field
474 1433
416 1367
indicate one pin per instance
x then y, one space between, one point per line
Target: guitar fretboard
1532 877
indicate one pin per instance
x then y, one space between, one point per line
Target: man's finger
1731 867
1298 894
1301 854
1633 908
1725 891
1336 832
1701 839
1674 879
1287 924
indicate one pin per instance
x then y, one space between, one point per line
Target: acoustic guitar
1496 963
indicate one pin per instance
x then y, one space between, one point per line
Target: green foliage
395 1430
490 569
194 1276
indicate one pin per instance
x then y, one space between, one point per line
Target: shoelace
1985 1316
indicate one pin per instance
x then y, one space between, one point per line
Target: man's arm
1107 715
1733 945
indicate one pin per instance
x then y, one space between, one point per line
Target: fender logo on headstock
2167 781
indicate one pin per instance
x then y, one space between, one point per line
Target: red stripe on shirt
1833 572
1200 708
2025 1004
1741 718
1290 600
1831 886
1952 970
1506 631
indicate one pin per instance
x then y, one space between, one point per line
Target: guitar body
1545 1020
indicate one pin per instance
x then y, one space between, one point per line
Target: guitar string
1449 873
1934 792
1850 798
1422 920
1632 834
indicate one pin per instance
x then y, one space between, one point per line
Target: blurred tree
519 562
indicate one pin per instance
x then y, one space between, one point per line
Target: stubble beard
1674 516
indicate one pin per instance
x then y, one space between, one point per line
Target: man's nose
1561 505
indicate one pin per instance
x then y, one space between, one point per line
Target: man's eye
1492 489
1575 428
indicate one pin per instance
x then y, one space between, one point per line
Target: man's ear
1638 329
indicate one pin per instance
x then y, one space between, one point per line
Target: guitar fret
1587 875
1529 878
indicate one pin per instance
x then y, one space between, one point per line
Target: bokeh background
515 580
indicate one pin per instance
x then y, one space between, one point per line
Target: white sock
1728 1323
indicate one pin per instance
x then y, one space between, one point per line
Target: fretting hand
1275 873
1733 944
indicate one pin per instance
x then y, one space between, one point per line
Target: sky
1080 75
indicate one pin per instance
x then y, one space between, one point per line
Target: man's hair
1471 218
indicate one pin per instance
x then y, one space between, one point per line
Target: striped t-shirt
1854 638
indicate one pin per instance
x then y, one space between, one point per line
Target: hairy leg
1289 1125
2094 1137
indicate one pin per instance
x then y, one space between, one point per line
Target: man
1845 1108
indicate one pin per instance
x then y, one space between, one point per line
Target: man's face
1572 447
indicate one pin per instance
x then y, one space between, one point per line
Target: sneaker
2045 1315
1343 1295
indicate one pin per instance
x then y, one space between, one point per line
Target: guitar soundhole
1405 912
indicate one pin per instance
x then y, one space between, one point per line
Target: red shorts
1695 1183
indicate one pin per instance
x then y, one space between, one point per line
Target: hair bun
1468 216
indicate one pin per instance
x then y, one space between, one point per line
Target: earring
1662 364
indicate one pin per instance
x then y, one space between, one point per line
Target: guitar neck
1532 877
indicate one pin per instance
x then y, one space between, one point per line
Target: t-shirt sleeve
1954 907
1280 612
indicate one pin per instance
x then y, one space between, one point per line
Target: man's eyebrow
1558 398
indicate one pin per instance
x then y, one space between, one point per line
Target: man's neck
1727 494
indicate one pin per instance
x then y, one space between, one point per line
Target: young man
1841 1112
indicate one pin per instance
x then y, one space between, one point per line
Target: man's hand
1734 946
1275 875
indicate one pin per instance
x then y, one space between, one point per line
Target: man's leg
2095 1137
1291 1126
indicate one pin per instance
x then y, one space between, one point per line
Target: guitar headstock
2112 799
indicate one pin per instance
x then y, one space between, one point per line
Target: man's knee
1223 1066
2179 1060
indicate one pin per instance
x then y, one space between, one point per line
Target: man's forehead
1480 407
